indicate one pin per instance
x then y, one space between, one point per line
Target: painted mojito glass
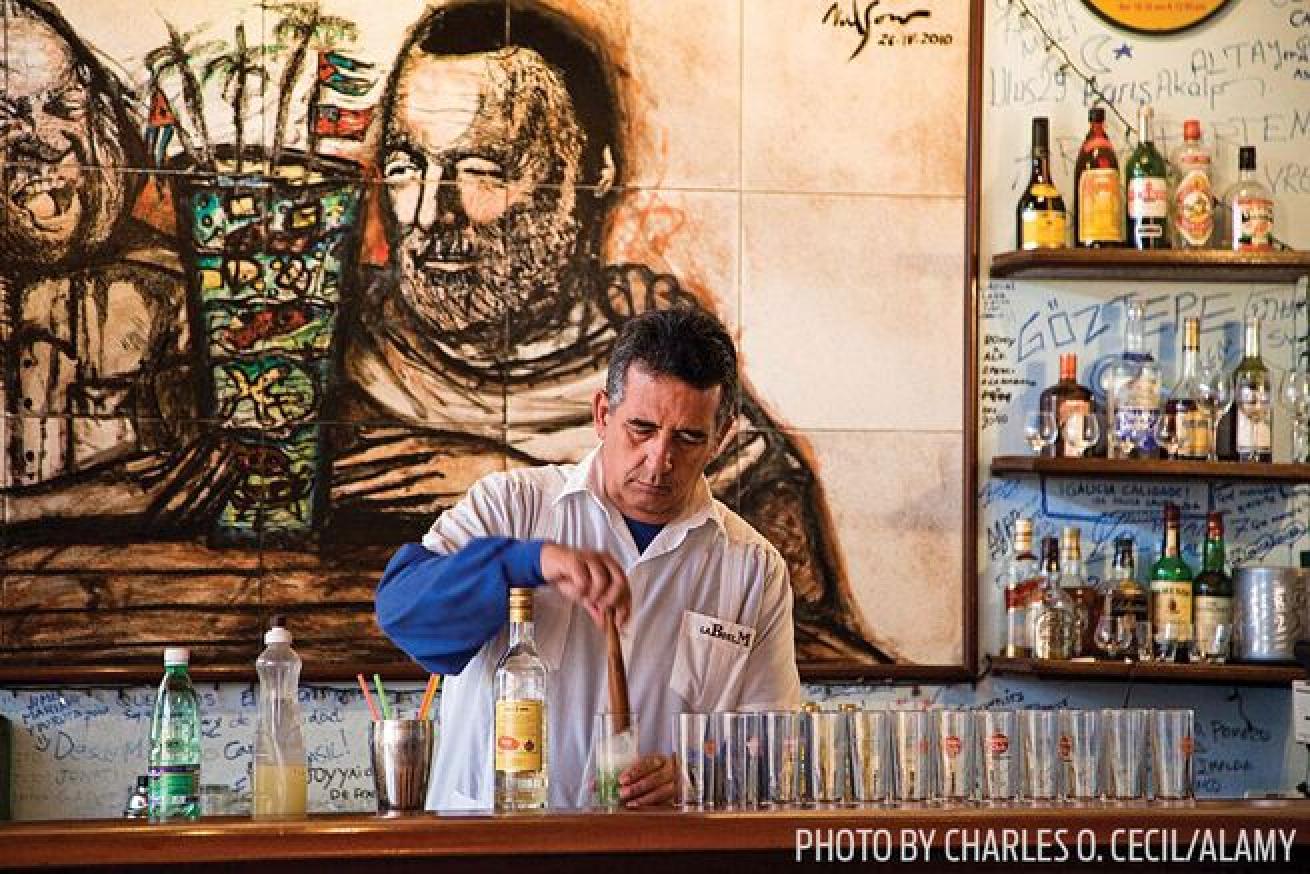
269 255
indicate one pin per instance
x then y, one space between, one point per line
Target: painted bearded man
483 334
92 328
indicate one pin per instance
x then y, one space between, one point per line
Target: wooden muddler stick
618 678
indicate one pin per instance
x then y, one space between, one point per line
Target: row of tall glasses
854 756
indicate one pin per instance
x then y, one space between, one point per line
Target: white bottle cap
177 655
277 635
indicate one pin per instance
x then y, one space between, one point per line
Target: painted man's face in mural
481 159
55 205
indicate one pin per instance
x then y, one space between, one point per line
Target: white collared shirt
710 628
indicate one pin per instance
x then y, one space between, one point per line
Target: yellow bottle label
1193 434
1100 206
518 735
1173 607
1044 229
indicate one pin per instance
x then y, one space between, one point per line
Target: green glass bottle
1171 594
1147 179
1212 594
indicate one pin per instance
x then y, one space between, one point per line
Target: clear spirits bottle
520 694
1022 588
175 743
1191 423
1136 397
1248 209
1121 372
1193 215
1054 622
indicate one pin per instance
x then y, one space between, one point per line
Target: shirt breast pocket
710 661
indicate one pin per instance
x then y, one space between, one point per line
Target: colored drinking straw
382 697
434 683
368 699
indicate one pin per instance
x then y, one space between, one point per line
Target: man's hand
591 579
649 782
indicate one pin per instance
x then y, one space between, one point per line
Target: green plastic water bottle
175 743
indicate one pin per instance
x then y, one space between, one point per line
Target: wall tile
894 501
852 309
817 119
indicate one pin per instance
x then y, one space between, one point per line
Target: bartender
703 602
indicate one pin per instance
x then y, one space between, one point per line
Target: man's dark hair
686 343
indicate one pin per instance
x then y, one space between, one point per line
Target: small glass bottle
138 803
1248 209
520 695
1193 200
1022 588
175 743
1054 619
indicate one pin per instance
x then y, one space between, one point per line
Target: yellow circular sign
1156 16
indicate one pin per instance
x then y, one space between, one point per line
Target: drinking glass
1213 648
1114 634
738 746
1081 431
824 753
695 748
779 729
1166 434
870 736
1039 734
1125 753
613 751
1000 750
1143 642
913 753
1214 394
1172 745
1294 397
1251 391
1040 430
957 752
1080 753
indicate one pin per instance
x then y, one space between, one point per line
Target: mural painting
271 303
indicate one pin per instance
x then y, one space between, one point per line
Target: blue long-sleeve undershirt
441 609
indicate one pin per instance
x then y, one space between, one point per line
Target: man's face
476 242
656 443
46 136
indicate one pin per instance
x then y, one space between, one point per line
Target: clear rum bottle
520 731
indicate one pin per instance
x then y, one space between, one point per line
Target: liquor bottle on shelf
1064 399
1148 189
1136 410
520 694
1040 218
1171 594
1193 215
1212 592
1098 188
175 743
1053 619
1191 424
1248 210
1073 580
1246 431
1129 598
1125 368
1023 588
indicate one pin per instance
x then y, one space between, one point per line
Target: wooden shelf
1205 265
1149 672
1011 465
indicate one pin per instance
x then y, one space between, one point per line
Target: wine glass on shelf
1214 393
1081 430
1166 434
1294 397
1040 430
1251 392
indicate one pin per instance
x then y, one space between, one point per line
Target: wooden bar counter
1198 836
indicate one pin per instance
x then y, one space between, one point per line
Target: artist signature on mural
863 20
